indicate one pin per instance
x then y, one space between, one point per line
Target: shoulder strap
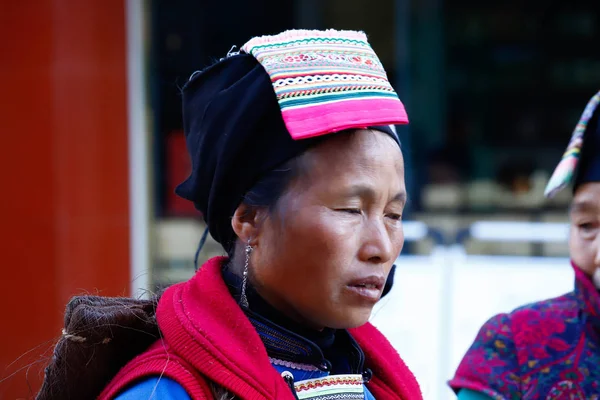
159 361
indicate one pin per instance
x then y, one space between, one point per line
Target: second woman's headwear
581 161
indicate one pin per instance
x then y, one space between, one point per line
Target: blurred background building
91 121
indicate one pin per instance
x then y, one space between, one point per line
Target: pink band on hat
327 81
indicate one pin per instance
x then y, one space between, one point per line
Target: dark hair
270 188
101 334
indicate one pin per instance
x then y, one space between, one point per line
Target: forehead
358 146
358 154
587 198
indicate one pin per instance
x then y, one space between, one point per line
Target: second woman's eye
395 217
588 230
587 226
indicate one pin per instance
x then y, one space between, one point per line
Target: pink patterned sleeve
491 366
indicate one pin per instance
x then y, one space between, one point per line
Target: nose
378 245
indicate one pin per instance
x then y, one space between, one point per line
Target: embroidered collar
587 296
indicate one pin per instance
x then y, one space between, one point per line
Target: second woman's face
324 257
584 239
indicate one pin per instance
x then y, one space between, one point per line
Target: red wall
63 169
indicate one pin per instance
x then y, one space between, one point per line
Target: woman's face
323 257
584 239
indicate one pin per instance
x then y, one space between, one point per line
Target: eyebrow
583 206
367 191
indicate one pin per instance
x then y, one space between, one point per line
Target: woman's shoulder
532 324
390 371
549 312
157 370
370 337
563 306
154 387
509 345
491 365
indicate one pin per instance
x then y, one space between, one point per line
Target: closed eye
587 226
350 210
395 217
588 230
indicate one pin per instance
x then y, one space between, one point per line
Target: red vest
207 337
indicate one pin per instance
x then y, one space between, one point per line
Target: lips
371 282
368 287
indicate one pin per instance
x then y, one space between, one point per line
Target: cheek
314 227
268 264
580 251
397 236
315 246
288 242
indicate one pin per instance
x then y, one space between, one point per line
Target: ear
246 222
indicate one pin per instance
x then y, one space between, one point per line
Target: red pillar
63 170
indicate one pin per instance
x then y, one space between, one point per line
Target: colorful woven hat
327 81
572 158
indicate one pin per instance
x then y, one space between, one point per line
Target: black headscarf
234 134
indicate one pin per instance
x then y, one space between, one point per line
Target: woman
298 173
551 349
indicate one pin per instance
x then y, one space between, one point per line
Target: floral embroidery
542 351
566 390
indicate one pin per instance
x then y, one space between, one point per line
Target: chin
351 320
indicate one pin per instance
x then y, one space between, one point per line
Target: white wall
438 304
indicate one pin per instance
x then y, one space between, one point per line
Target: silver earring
243 298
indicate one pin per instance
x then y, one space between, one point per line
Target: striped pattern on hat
327 81
565 170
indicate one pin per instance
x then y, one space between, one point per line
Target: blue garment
466 394
155 388
167 389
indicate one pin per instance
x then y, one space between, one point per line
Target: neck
263 305
280 309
